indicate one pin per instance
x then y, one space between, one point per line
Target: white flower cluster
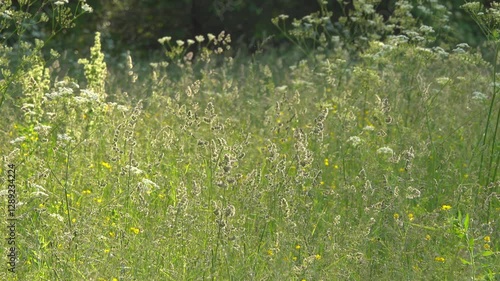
355 141
64 138
61 2
385 150
134 170
476 95
86 8
19 139
164 39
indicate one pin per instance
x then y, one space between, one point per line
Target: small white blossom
19 139
418 38
134 170
27 106
440 51
122 108
424 10
80 100
412 34
63 137
42 128
476 95
7 14
367 8
210 36
180 43
354 140
86 8
149 183
385 150
199 38
53 95
57 216
164 39
398 39
65 91
369 128
190 42
281 89
61 2
60 84
91 95
426 29
463 46
145 186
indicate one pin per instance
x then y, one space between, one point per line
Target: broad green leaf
466 222
487 253
464 261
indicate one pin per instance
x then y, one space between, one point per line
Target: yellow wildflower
445 207
135 230
439 259
411 217
106 165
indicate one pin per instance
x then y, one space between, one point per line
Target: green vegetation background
348 146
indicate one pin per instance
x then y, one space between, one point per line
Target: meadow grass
271 167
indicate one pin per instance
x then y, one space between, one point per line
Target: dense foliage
368 151
136 25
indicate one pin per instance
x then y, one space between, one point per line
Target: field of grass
278 166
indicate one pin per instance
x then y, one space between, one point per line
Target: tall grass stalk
487 21
491 178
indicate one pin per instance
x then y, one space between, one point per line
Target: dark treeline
136 25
